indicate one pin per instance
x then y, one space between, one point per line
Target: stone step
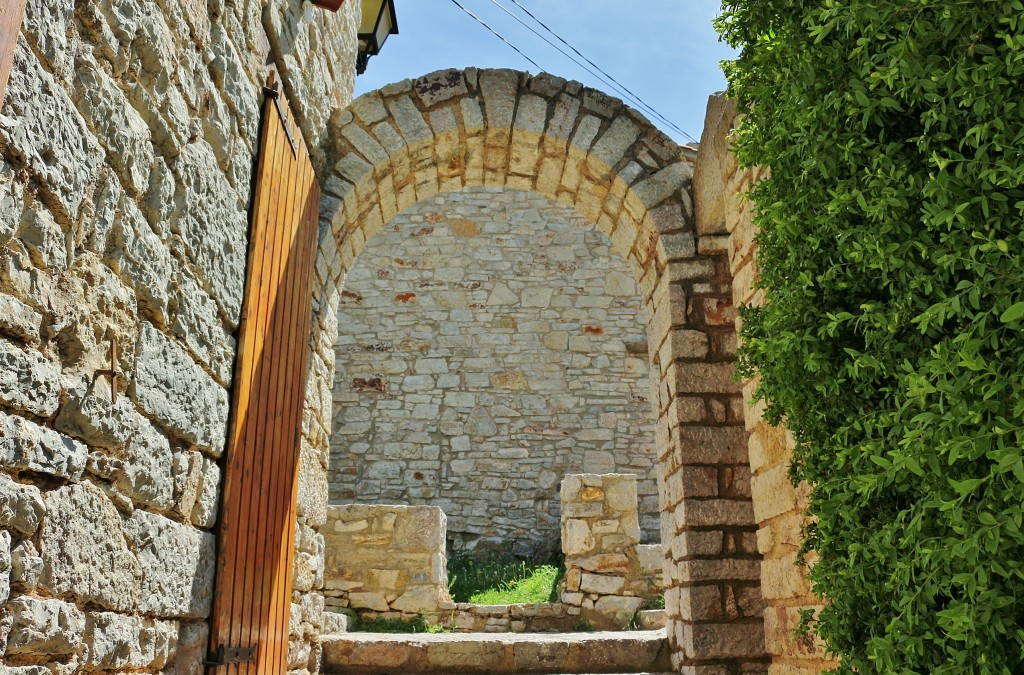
495 653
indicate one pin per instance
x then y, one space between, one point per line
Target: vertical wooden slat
253 594
11 13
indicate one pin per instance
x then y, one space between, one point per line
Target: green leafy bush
892 258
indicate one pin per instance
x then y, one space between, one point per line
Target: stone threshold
496 653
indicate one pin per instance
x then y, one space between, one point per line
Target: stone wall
389 561
127 142
778 507
386 559
489 342
600 537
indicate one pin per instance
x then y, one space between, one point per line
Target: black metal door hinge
273 90
225 656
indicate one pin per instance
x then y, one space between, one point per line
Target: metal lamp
378 22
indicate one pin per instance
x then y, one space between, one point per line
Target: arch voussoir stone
456 129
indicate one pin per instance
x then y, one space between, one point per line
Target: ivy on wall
891 250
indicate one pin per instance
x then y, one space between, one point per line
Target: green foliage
540 586
584 626
496 572
381 625
891 242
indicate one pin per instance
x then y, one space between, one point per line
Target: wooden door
11 12
252 600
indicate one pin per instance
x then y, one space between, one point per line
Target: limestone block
90 415
115 642
213 225
375 602
118 126
84 551
409 120
12 201
312 494
439 86
25 445
499 89
6 565
190 650
204 512
613 144
604 563
335 623
618 611
229 74
577 539
601 584
142 260
43 127
199 325
18 319
28 380
177 393
26 566
418 599
21 506
44 627
177 565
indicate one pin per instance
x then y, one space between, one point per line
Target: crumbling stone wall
128 137
489 342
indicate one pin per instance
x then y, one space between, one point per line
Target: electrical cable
497 34
613 82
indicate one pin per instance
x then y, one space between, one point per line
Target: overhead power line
600 73
497 34
627 93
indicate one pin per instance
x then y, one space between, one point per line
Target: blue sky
666 51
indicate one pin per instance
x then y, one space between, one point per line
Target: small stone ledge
396 654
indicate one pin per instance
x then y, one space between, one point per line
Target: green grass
539 587
497 573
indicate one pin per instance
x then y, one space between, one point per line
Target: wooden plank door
252 599
11 13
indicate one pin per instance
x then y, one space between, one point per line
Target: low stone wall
389 562
386 559
600 538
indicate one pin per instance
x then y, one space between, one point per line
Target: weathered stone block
115 642
44 627
84 551
6 565
27 446
16 318
177 564
43 127
28 380
213 226
21 506
177 393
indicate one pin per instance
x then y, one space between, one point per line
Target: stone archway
454 129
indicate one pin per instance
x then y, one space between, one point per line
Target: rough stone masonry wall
600 537
386 558
778 507
489 343
127 143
